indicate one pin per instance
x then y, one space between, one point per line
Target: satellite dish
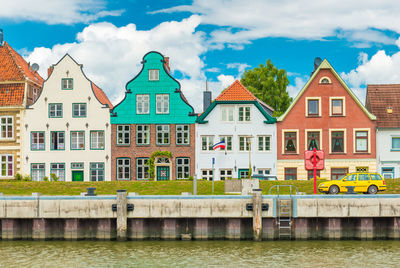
35 67
317 62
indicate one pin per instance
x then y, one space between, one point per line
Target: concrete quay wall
198 217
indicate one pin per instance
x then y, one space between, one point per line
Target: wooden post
121 215
257 215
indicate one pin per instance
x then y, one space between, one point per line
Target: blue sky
209 40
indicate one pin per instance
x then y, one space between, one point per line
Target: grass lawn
11 187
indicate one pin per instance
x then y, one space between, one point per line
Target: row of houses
67 126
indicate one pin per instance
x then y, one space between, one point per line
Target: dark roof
379 99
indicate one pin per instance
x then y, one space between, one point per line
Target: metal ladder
284 211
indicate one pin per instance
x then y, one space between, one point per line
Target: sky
214 41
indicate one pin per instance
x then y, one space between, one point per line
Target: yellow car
367 183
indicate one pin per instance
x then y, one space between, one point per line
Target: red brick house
326 115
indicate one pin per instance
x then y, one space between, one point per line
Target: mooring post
122 218
257 215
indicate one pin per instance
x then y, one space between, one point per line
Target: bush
27 178
18 177
45 178
54 177
190 178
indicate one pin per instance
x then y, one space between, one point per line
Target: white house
384 102
246 125
68 127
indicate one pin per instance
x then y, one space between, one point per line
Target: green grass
11 187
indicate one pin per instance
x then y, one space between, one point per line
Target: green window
37 171
57 140
79 110
58 169
97 140
37 141
123 134
182 167
67 83
123 168
182 134
396 143
162 133
142 169
142 134
55 110
77 140
97 171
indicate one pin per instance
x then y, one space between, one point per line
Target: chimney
166 64
206 98
1 37
49 71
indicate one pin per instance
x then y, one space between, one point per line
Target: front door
162 173
243 173
77 175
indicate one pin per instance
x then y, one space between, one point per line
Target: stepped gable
379 100
101 96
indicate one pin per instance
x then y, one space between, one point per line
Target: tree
269 84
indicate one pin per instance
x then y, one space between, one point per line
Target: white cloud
111 56
56 11
302 19
239 66
299 83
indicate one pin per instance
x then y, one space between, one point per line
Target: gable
180 111
325 67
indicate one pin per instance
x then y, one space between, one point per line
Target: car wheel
372 189
334 189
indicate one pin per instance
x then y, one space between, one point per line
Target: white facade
388 152
74 125
223 120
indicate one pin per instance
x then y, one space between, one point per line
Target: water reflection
200 253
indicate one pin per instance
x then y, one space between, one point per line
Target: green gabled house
153 127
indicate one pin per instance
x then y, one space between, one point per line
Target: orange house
326 115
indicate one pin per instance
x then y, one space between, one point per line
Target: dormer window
67 83
325 80
153 75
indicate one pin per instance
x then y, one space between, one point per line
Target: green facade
180 112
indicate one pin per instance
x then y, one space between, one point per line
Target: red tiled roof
14 68
101 96
236 92
11 94
379 99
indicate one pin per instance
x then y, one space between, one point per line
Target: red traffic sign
312 162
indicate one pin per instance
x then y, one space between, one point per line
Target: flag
220 144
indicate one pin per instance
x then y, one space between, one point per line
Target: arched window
325 80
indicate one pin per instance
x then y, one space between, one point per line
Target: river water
200 254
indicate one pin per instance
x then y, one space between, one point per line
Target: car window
375 177
363 177
352 177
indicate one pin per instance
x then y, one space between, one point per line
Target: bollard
257 215
122 218
195 184
90 191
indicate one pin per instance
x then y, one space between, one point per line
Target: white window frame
163 132
319 106
180 164
283 141
97 171
344 141
162 103
58 169
223 174
208 176
226 137
38 171
97 141
245 109
125 132
183 134
227 113
142 163
142 104
144 132
5 161
35 141
247 144
355 130
126 164
264 139
209 143
59 147
77 140
154 74
343 99
6 125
